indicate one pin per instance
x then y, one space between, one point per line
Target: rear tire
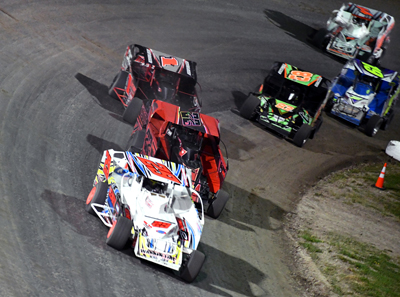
218 204
373 125
119 82
97 195
386 121
119 233
248 108
192 267
302 135
316 127
135 142
132 112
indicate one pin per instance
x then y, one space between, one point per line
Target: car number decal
284 106
190 118
300 75
170 61
372 69
162 225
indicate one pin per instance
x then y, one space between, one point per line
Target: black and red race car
164 131
150 74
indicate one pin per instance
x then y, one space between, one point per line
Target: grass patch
357 187
372 272
307 236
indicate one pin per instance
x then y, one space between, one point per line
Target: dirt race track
57 59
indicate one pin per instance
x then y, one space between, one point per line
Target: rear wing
160 60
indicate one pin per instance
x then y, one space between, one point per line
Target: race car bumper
341 49
348 112
162 252
284 130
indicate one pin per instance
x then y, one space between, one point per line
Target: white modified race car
355 31
148 201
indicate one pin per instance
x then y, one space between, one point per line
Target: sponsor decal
187 65
148 203
147 224
155 255
304 116
149 56
282 68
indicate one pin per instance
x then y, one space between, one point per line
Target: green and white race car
289 102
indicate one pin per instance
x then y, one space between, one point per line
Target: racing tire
135 142
119 233
132 112
97 195
302 135
248 108
218 204
386 121
320 39
119 82
373 125
192 267
316 127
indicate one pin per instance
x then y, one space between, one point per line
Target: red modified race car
150 74
164 131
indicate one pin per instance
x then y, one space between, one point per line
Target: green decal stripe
288 69
391 100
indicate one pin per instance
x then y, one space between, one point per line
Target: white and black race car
147 201
356 31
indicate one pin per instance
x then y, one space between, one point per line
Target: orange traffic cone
381 178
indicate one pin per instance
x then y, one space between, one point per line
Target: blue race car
364 95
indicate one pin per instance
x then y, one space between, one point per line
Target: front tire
132 112
118 86
119 233
302 135
192 267
218 204
373 125
248 108
97 195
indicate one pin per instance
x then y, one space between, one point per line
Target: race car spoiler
166 61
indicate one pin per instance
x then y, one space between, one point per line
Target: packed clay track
57 60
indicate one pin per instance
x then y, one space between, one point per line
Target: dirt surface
56 118
325 210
